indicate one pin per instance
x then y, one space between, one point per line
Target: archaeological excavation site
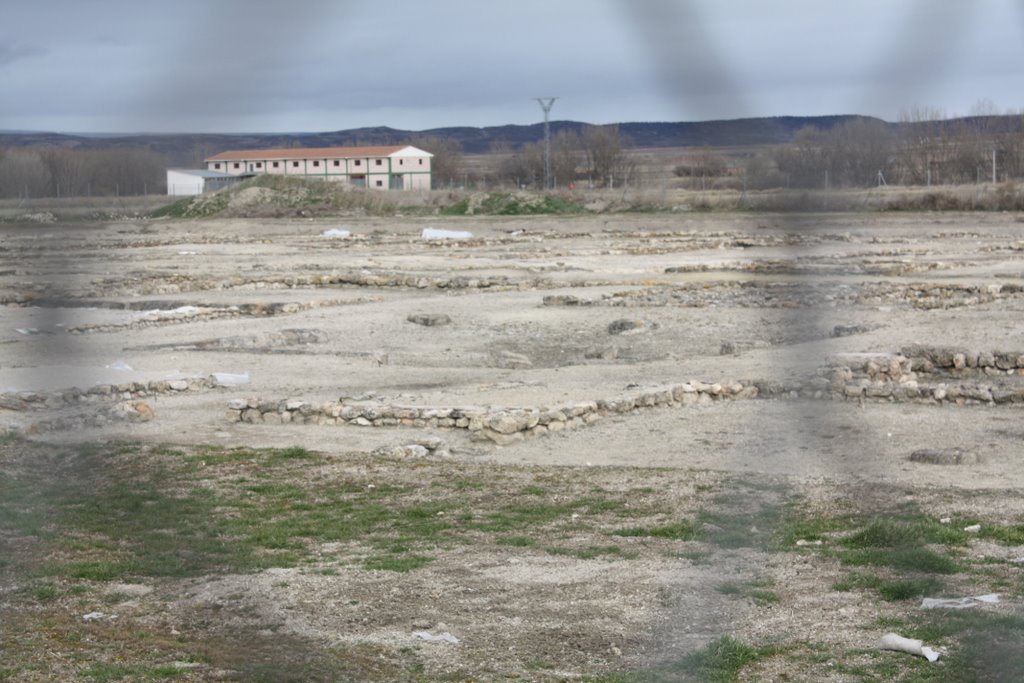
606 447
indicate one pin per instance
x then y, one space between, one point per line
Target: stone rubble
20 401
500 425
908 376
204 313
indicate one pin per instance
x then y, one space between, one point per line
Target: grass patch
922 560
756 590
293 453
894 591
720 661
513 204
396 563
1004 535
904 533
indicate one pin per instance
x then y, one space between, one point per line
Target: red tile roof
307 153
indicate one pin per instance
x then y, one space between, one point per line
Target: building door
396 182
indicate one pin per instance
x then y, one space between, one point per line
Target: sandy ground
774 286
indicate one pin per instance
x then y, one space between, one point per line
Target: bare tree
525 167
703 163
606 161
66 168
23 174
447 165
850 154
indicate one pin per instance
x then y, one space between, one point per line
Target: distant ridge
187 148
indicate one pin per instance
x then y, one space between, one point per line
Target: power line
546 103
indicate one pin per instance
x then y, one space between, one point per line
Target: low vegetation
78 523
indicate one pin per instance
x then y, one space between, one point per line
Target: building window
379 162
421 162
380 183
295 164
216 165
401 162
236 164
259 164
277 164
316 163
337 163
359 162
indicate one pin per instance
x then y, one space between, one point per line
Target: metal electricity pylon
546 103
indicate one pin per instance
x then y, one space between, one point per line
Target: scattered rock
944 456
849 330
429 319
625 326
512 361
602 352
561 300
144 410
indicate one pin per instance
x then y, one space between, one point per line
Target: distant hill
189 149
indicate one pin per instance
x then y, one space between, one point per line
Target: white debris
439 638
803 542
336 232
436 234
973 529
119 365
891 641
188 253
960 603
97 616
229 379
180 311
945 520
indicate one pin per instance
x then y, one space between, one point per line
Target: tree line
595 156
60 172
923 148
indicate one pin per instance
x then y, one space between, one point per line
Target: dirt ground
716 297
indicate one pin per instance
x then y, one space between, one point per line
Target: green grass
909 559
756 590
130 512
893 591
393 563
509 204
720 661
903 532
1005 535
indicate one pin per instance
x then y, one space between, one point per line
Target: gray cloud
234 66
11 52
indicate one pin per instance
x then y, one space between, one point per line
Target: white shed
187 181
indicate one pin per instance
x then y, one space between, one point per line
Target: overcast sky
320 65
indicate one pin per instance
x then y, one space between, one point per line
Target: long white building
396 167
